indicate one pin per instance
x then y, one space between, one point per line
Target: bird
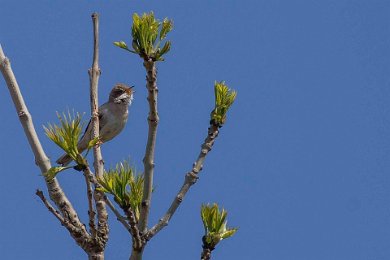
113 117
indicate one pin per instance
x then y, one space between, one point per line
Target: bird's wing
103 112
84 140
89 123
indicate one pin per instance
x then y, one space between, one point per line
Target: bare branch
132 227
138 242
136 254
206 254
91 210
55 212
94 73
96 256
153 119
55 191
24 116
118 215
78 234
189 180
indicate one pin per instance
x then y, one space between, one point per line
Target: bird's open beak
129 90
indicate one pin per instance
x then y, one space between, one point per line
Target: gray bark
69 215
190 179
153 119
94 73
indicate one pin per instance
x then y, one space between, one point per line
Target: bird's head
121 94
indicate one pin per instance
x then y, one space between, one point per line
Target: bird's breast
114 124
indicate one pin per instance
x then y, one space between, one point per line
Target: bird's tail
64 160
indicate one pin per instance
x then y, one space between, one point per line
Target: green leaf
167 26
224 98
121 44
67 133
214 223
93 142
53 171
145 30
166 48
229 233
125 185
135 47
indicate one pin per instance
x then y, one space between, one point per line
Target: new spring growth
66 135
125 185
224 98
148 35
214 222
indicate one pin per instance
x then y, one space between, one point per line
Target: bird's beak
130 89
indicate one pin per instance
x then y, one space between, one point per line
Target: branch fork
93 244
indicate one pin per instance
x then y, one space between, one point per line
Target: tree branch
94 73
136 254
91 210
153 120
189 180
206 254
138 242
132 227
55 212
55 191
76 232
118 215
207 249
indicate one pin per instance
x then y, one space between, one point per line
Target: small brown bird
112 119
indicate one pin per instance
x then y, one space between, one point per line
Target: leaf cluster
224 98
66 136
214 222
67 133
125 185
148 34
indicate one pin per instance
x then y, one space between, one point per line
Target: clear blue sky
302 164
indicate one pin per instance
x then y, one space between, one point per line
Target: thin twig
78 232
91 210
132 227
94 73
75 232
189 180
153 119
118 215
55 212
